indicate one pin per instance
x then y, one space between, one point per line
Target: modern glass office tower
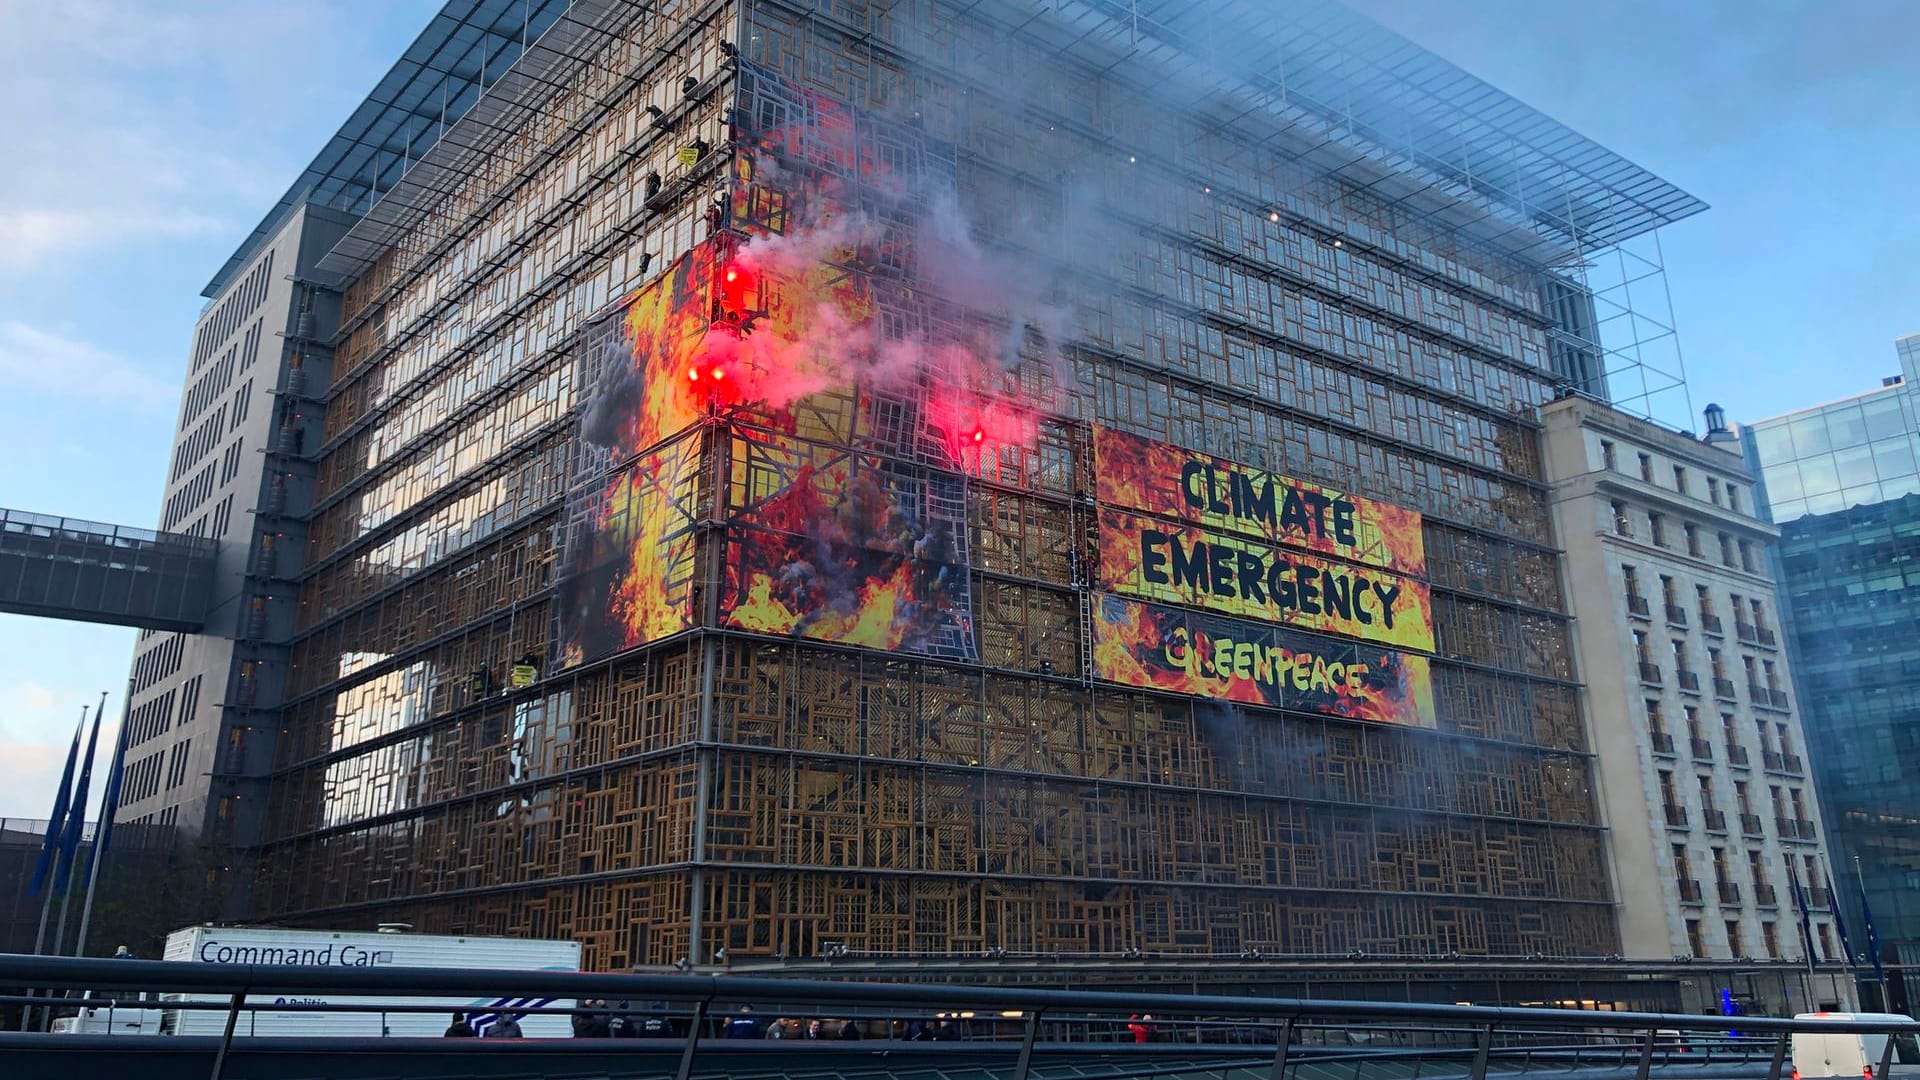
1843 482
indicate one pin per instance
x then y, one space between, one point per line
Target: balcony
1689 890
1710 623
1650 673
1819 897
1768 639
1791 763
1765 896
1638 607
1723 689
1676 615
1746 632
1729 893
1737 755
1773 761
1750 825
1677 816
1793 828
1662 742
1702 749
1716 820
1804 828
1767 697
1689 680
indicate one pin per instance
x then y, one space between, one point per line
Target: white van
1849 1054
343 949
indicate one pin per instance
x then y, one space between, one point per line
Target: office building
1842 482
897 482
1712 820
203 714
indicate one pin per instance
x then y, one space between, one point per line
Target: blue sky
144 140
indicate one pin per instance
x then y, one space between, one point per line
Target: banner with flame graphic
1185 564
628 555
833 545
1171 481
631 575
1211 656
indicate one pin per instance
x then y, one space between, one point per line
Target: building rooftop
463 50
1386 114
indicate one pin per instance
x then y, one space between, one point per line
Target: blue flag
110 802
51 843
1873 938
1806 917
77 810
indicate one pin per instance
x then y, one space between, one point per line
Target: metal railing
1014 1026
1676 615
1736 754
1710 623
1715 820
1662 742
1723 689
1650 673
1637 605
1689 680
1701 749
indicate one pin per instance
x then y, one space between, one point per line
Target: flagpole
46 905
77 818
104 827
40 880
1879 983
80 812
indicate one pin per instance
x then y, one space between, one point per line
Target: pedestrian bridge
64 568
987 1032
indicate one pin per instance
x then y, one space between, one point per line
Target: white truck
341 949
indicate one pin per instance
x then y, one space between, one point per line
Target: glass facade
681 771
1843 482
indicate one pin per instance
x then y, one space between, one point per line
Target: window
1729 735
1706 803
1655 721
1713 489
1667 595
1657 524
1607 455
1640 649
1670 798
1680 656
1772 676
1745 801
1826 941
1771 937
1746 556
1631 576
1733 939
1693 539
1695 941
1726 550
1759 614
1680 479
1733 498
1621 525
1646 467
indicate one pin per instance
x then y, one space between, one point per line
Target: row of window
239 303
1682 480
1769 934
158 662
1749 613
1789 809
1624 524
189 451
1764 680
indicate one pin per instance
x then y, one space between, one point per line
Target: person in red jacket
1141 1026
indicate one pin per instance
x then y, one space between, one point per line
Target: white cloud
34 739
30 238
35 362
